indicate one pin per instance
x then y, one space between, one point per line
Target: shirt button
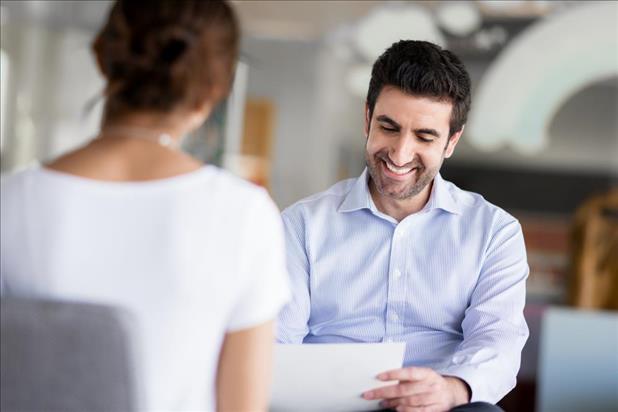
394 317
397 273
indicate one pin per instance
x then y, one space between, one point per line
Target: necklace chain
162 138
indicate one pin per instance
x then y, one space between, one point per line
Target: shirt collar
359 197
442 198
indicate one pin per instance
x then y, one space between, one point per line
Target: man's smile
397 172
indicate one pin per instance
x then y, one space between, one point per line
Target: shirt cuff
480 389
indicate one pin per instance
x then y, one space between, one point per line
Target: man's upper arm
293 319
494 327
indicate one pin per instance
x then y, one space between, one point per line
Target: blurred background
541 141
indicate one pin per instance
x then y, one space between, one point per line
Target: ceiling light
383 27
458 18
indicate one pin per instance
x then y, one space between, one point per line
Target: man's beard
398 190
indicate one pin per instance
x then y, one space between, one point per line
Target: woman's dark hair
423 69
160 55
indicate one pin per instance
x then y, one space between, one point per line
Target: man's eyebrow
432 132
385 119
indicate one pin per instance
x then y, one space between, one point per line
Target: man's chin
401 190
398 193
397 190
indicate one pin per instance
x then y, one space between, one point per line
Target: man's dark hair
423 69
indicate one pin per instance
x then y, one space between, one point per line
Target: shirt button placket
395 288
397 275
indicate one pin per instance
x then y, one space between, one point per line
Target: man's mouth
397 171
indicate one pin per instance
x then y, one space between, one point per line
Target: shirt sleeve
293 319
494 327
265 287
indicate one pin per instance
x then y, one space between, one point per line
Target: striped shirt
448 280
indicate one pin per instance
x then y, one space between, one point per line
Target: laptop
578 361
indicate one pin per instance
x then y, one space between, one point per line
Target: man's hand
420 389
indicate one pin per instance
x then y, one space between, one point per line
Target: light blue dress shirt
448 280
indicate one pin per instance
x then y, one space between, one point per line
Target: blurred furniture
254 159
594 282
59 356
578 361
258 129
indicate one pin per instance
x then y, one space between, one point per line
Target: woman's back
195 255
191 256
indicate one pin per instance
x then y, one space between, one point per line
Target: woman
129 220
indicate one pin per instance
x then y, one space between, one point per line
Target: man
400 254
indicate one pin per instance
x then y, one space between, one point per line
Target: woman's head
166 55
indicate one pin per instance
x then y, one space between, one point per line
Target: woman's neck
148 125
130 148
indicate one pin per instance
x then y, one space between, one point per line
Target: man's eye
425 140
388 129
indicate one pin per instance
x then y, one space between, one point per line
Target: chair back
61 356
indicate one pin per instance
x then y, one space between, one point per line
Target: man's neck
400 209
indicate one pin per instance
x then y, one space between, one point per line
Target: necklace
163 139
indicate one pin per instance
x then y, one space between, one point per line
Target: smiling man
400 254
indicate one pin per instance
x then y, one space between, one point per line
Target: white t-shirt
191 257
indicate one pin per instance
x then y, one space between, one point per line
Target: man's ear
367 120
452 142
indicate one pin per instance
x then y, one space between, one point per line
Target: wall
53 76
285 73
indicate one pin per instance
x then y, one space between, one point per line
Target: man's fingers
428 408
418 400
397 391
387 392
411 373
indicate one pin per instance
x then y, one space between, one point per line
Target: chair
578 361
61 356
594 237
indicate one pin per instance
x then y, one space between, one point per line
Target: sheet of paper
331 377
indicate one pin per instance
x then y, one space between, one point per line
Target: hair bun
168 54
173 50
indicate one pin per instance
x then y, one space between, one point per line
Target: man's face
407 141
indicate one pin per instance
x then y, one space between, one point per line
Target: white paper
331 377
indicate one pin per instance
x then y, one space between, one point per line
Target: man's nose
403 150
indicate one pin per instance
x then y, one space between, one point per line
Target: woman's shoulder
228 185
13 181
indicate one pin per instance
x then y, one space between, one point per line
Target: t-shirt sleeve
264 285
